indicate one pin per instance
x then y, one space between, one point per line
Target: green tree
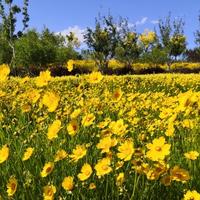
5 50
72 40
42 49
103 40
172 37
128 49
8 16
197 34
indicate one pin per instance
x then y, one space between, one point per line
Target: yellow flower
43 79
67 183
47 169
147 38
166 180
51 100
88 119
33 95
192 155
191 195
158 149
154 173
126 150
11 186
70 65
48 192
4 153
120 179
4 72
106 143
79 152
60 155
95 77
86 172
179 174
72 127
76 113
170 130
103 167
2 93
118 127
54 129
92 186
27 153
117 95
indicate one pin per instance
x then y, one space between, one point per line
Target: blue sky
66 15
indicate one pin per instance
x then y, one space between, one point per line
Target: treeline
110 39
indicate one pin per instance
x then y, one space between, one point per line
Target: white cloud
154 21
142 21
131 25
76 30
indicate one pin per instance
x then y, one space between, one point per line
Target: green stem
136 179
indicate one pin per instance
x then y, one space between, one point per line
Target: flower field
100 137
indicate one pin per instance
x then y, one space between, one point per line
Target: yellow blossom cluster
100 137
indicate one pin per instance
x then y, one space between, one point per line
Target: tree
8 15
42 49
5 50
128 49
72 40
103 40
197 34
192 55
172 37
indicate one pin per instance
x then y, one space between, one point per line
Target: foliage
172 37
197 34
8 12
42 49
192 55
128 49
105 38
156 56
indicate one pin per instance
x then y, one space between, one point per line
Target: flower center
158 148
